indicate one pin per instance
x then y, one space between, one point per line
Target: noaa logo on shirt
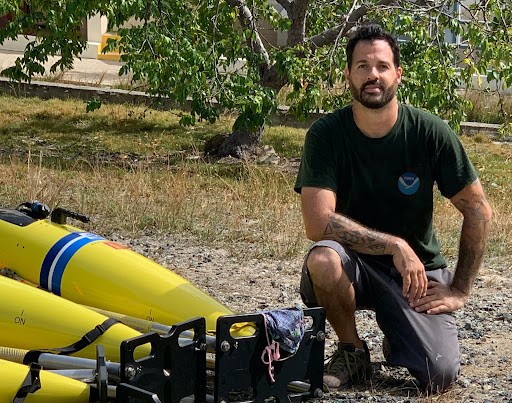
408 183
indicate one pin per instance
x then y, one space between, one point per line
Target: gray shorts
426 345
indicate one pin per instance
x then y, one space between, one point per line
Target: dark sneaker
347 366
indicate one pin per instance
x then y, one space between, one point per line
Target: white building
94 31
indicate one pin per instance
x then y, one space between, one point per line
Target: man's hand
440 298
411 268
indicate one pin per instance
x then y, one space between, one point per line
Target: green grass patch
63 128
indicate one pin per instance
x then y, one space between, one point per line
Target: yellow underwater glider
88 269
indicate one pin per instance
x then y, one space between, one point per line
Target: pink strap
272 352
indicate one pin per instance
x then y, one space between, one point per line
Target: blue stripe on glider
50 257
59 256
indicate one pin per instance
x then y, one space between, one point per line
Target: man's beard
372 101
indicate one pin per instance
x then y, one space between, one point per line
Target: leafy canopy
216 53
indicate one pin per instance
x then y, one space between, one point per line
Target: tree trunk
246 136
241 143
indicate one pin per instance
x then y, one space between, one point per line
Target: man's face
373 78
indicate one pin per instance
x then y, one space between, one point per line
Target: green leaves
91 106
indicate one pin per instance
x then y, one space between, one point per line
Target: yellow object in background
114 55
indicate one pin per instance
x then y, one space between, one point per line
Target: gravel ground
485 323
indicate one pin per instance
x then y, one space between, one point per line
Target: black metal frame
172 371
176 366
238 364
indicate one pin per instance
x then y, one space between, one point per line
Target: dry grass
488 107
249 205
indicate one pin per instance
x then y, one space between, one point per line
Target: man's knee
323 260
320 273
438 374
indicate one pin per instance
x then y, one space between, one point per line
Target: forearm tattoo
356 236
473 239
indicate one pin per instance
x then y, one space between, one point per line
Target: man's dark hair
371 32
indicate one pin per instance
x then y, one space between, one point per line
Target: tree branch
329 36
297 15
287 5
247 20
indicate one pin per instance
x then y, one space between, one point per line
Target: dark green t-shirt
387 183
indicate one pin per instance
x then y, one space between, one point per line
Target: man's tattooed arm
358 237
473 239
